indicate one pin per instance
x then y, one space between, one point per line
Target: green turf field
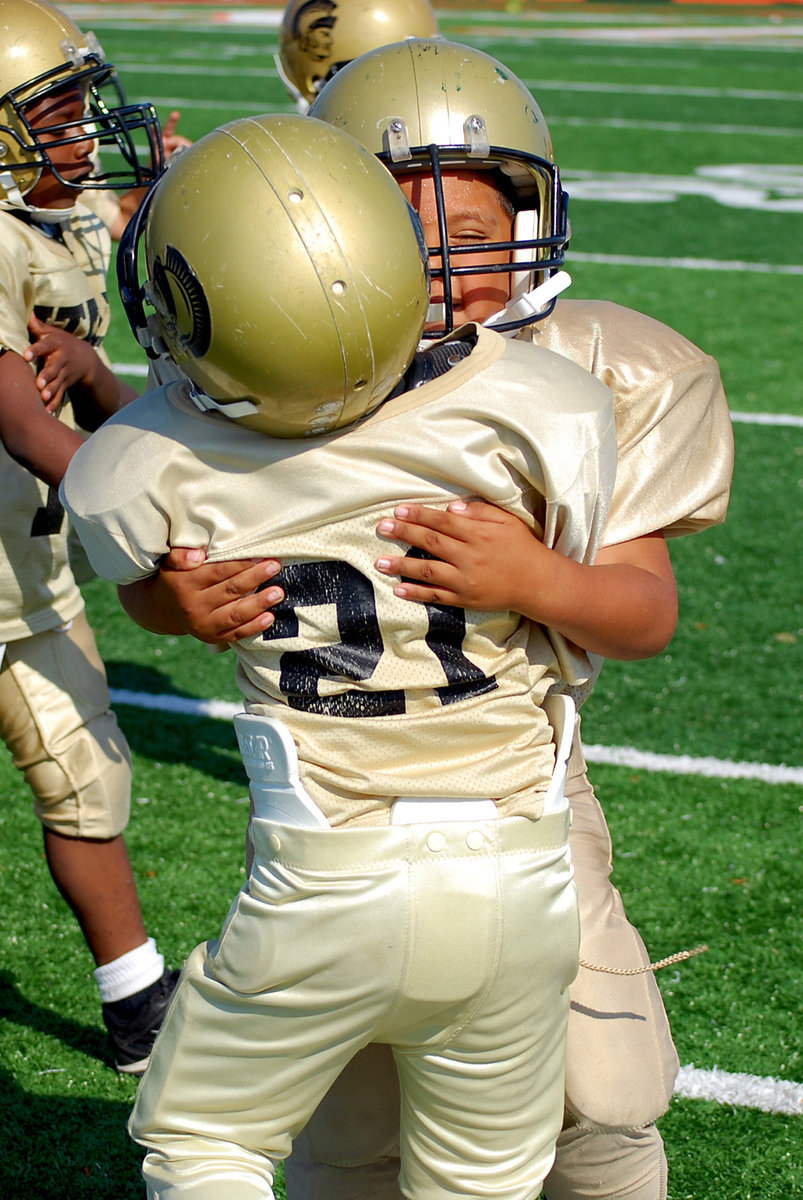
678 131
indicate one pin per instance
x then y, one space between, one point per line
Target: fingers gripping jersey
383 697
58 273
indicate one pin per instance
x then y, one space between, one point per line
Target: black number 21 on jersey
360 648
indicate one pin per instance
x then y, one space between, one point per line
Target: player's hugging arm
215 602
623 606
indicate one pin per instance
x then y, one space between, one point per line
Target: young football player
673 476
54 702
675 448
400 866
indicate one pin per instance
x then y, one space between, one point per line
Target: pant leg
265 1017
602 1164
56 721
590 1164
621 1062
482 1106
420 942
347 1151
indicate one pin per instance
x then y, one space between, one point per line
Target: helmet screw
396 126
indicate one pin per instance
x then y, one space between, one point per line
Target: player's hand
484 554
218 602
172 141
66 360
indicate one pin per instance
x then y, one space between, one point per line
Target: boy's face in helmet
64 107
476 213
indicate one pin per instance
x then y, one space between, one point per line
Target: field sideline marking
686 764
687 264
783 38
625 756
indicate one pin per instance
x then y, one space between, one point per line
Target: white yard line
747 1091
626 756
686 764
768 419
658 89
687 264
691 127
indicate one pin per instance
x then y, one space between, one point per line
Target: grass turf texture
698 860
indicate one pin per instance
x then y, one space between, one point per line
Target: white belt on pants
271 762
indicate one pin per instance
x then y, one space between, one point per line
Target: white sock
130 973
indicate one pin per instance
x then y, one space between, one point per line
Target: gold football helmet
41 52
287 273
431 106
318 37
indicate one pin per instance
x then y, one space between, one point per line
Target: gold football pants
452 944
620 1069
55 720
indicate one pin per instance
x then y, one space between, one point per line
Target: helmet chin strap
14 199
234 409
522 309
529 307
301 102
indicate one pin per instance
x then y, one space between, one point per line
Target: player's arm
66 361
624 606
215 602
31 434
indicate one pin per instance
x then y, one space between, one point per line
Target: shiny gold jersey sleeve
673 426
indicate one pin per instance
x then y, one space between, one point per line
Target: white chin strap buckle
235 409
532 303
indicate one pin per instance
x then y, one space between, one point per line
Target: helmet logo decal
313 25
185 309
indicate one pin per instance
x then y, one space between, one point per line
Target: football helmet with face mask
318 37
43 52
432 106
286 274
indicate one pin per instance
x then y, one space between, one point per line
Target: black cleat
134 1022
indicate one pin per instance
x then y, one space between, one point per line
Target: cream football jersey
675 441
384 697
58 273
